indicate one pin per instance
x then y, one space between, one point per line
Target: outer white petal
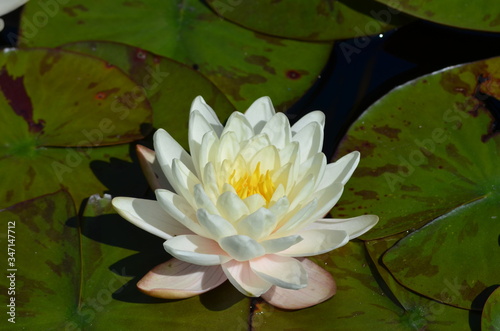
354 227
216 226
295 218
280 271
151 168
280 244
314 116
278 130
177 207
241 248
310 139
208 113
317 242
6 6
244 279
341 170
167 149
176 279
149 216
196 250
259 113
257 225
184 181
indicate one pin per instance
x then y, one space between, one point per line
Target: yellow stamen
255 183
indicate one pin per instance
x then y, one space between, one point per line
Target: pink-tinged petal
314 116
177 207
354 227
176 279
316 242
149 216
341 170
278 130
310 139
281 271
216 226
196 250
167 149
259 113
244 279
241 248
321 287
280 244
208 113
152 169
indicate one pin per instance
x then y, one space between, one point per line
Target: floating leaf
243 64
430 152
490 320
312 20
57 107
169 85
480 15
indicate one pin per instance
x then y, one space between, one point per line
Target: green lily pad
490 320
478 15
430 154
243 64
312 20
57 108
86 280
169 85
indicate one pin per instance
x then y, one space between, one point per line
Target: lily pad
430 151
312 20
478 15
243 64
169 85
490 320
84 281
57 108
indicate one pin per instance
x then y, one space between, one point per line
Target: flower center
255 183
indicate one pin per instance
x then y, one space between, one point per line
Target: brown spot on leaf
375 172
452 152
495 21
269 39
92 85
234 80
17 97
73 11
261 61
411 188
102 95
391 133
367 194
293 74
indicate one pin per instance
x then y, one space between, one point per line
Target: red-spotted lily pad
490 320
311 20
243 64
478 15
70 276
430 153
56 109
169 85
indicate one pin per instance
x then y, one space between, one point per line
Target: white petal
151 168
280 207
239 126
167 149
229 147
314 116
149 216
259 113
289 153
176 279
241 248
231 207
177 207
295 218
321 287
208 150
254 202
315 166
327 198
280 244
354 227
278 130
341 170
195 249
216 226
244 279
210 181
310 139
317 242
257 225
208 113
198 127
183 180
203 201
280 271
268 157
254 145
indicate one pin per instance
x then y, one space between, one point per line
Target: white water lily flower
246 205
6 6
